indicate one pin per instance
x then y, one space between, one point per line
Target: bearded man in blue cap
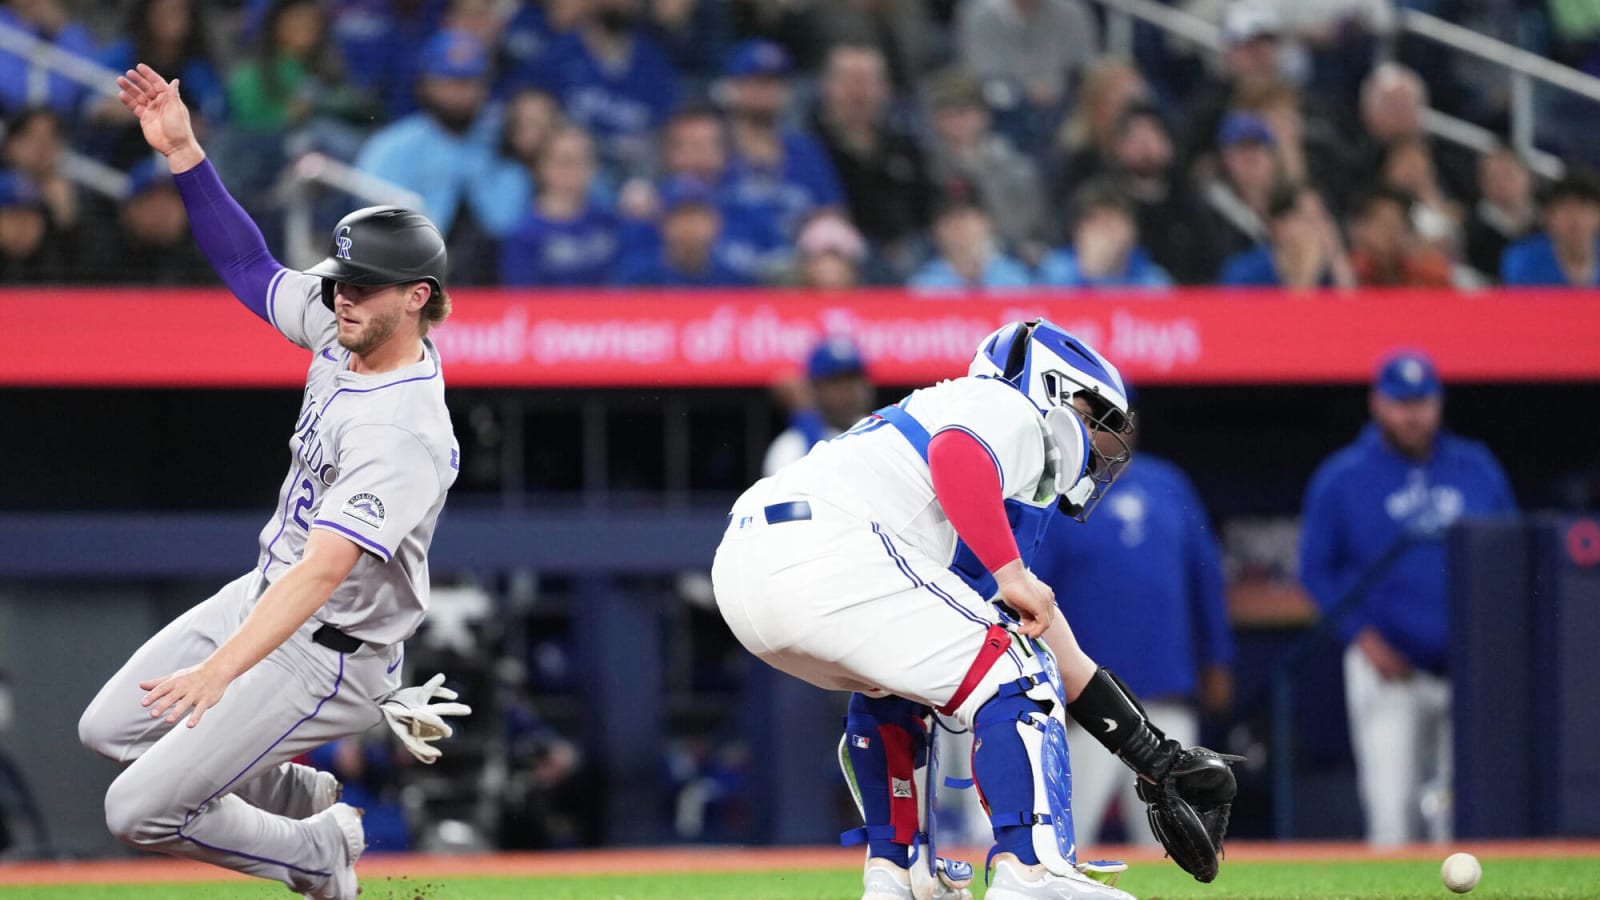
1403 479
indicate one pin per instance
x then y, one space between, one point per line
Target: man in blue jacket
1147 565
1403 479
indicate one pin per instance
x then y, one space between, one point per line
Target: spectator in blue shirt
1105 250
381 43
693 146
1303 250
528 35
774 173
614 80
1147 564
1567 254
1403 477
968 259
447 152
564 240
46 20
685 254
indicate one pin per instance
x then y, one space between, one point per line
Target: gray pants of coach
225 792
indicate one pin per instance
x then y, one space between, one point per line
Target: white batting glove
419 722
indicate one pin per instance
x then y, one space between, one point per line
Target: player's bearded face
371 316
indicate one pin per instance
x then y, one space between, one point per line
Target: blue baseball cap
17 189
756 59
455 54
1408 375
833 357
1239 127
684 191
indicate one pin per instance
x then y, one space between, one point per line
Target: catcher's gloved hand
417 720
1189 806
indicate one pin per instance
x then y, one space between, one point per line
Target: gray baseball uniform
372 458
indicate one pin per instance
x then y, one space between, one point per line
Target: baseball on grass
1461 872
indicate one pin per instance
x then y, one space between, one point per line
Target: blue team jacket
1141 581
1363 498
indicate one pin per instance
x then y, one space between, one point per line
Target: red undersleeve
967 483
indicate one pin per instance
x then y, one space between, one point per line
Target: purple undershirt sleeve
227 236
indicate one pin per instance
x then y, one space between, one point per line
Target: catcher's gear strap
994 646
1021 765
1110 712
885 743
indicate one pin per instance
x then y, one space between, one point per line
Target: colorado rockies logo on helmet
342 242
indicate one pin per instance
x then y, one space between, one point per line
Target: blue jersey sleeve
1325 563
1207 590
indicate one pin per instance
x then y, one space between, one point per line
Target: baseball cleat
1014 880
342 885
883 880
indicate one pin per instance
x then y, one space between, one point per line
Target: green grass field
1534 879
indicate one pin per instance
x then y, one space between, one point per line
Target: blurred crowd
940 144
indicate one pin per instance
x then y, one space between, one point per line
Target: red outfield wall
521 338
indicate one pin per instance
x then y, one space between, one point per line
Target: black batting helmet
383 245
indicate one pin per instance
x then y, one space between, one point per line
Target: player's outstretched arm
286 605
230 240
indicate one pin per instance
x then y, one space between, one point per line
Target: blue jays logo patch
365 508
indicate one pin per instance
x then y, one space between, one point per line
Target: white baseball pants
843 604
1401 734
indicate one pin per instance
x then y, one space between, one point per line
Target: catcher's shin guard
885 743
1020 762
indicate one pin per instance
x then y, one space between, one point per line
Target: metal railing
45 59
1523 68
297 190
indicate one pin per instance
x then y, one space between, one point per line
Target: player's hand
1032 600
417 720
162 116
1391 665
1216 689
192 690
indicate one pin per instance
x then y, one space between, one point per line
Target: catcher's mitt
1188 808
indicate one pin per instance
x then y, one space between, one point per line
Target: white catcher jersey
371 459
873 472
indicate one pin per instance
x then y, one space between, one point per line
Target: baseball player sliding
869 566
305 648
